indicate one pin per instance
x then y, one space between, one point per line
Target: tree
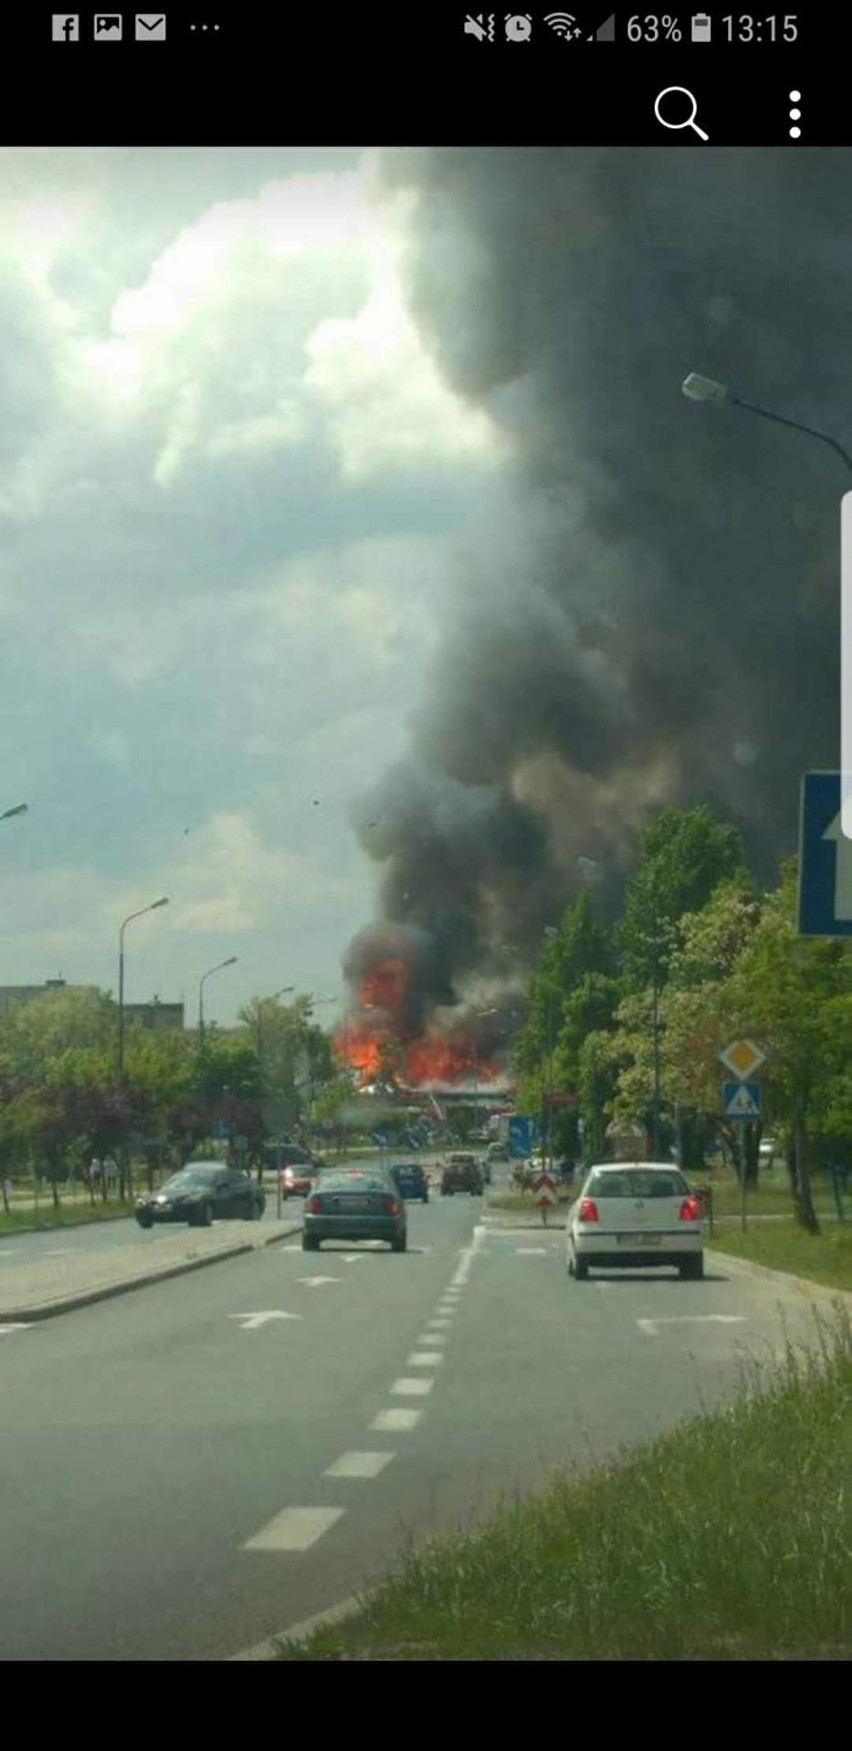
798 994
683 857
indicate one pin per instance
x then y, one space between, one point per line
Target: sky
235 491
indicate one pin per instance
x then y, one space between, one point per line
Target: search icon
689 121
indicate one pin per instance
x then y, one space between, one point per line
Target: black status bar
227 75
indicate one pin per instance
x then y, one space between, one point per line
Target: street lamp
154 907
129 920
19 809
230 962
698 388
550 930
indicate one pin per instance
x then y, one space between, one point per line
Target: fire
377 1042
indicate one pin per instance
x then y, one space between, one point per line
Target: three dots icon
795 115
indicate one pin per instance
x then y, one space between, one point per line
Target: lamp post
698 388
19 809
154 907
273 999
550 930
230 962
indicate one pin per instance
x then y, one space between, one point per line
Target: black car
200 1191
411 1179
461 1173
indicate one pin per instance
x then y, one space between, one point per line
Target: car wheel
145 1221
400 1244
425 1198
581 1269
254 1211
310 1243
205 1216
692 1269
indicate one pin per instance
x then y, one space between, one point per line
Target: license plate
353 1204
639 1239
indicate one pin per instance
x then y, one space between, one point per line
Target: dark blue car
411 1180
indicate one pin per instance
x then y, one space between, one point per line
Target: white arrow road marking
359 1465
19 1327
842 869
295 1529
351 1258
393 1422
651 1326
253 1321
412 1388
314 1282
529 1251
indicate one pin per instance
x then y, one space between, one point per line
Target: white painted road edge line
462 1271
359 1465
301 1632
393 1421
413 1388
294 1529
651 1326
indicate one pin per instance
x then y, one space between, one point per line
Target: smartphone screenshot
425 1007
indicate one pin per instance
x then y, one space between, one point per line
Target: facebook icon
66 27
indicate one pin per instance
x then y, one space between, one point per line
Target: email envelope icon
150 27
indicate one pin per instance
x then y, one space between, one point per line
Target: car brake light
588 1211
690 1210
314 1205
394 1206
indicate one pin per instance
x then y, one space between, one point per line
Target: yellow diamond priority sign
742 1058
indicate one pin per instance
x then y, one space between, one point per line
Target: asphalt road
179 1479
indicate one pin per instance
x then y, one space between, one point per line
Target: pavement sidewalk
39 1289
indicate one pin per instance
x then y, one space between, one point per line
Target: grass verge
67 1216
784 1246
730 1538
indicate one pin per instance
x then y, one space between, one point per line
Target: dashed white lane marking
651 1326
412 1388
467 1256
19 1327
431 1339
441 1321
424 1359
359 1465
253 1321
295 1529
394 1422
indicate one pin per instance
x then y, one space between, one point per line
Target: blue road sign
825 859
742 1100
521 1138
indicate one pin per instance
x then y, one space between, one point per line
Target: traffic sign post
545 1194
742 1099
825 859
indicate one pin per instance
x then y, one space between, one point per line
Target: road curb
301 1632
750 1268
108 1291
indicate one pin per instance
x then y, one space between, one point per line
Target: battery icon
702 27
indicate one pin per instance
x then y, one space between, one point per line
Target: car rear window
355 1182
666 1184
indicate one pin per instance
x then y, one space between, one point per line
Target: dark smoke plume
656 622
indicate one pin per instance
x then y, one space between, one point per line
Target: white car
635 1213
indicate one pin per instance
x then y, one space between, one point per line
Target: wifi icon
563 24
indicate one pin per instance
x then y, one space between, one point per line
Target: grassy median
728 1539
785 1246
67 1216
